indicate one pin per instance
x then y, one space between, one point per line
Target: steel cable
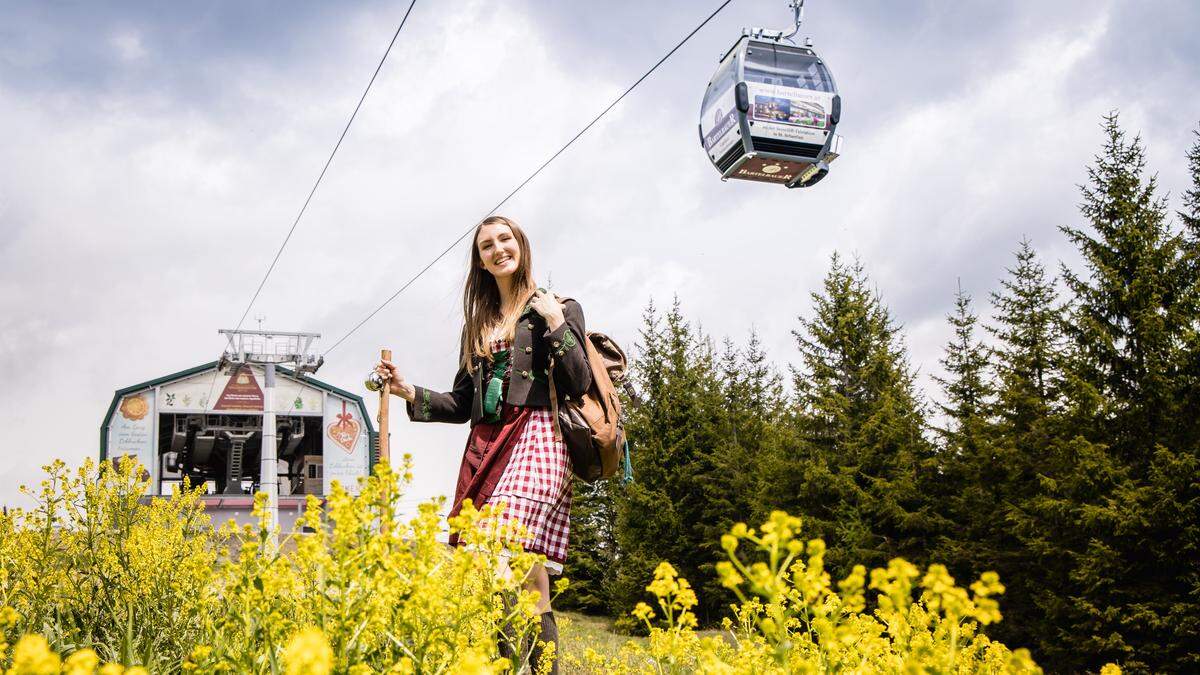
531 176
325 168
316 184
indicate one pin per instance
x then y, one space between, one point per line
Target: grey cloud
146 196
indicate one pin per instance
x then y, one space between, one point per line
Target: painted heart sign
344 431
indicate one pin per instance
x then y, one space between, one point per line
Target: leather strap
553 391
554 403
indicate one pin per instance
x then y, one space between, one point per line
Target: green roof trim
211 365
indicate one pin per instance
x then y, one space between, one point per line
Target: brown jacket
533 345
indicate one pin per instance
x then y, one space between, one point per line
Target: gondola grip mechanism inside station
269 349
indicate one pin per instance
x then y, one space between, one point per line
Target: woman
511 331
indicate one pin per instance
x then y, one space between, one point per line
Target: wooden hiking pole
385 395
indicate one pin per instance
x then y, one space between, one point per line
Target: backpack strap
554 403
553 390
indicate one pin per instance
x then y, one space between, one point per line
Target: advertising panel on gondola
719 124
789 114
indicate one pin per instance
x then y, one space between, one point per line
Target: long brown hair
481 296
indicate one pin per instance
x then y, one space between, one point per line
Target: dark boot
506 644
548 634
507 640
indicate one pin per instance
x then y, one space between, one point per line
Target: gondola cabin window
769 64
722 82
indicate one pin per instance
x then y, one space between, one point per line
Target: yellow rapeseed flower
380 588
404 666
32 656
308 653
82 662
643 612
473 662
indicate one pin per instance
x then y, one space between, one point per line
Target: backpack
591 426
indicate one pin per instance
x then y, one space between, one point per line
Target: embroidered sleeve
571 371
452 406
563 340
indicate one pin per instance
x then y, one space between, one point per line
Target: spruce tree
1104 524
1026 365
972 481
965 388
660 516
1189 215
1029 344
1126 321
857 463
1188 377
752 401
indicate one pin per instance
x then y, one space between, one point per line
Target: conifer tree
660 516
1188 375
1126 320
1104 523
966 389
1025 362
1029 350
752 401
1189 215
857 461
972 481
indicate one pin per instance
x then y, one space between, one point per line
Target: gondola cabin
770 114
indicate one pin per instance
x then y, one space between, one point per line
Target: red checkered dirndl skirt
536 488
527 470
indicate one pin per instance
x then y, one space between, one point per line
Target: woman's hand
549 307
396 384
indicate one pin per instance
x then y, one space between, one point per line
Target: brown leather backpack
591 426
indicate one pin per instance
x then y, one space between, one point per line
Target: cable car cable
313 191
530 178
325 168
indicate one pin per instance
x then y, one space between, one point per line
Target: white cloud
127 44
143 224
137 221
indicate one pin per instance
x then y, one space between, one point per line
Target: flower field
93 580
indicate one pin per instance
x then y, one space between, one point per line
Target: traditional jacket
533 345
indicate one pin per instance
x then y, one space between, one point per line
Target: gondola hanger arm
797 16
797 7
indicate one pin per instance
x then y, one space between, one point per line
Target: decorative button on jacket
533 346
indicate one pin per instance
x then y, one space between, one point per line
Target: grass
578 632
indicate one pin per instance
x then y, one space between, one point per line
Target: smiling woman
510 330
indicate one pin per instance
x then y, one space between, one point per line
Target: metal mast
269 349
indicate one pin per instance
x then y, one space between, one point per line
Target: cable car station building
206 424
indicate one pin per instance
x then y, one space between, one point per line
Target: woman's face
498 249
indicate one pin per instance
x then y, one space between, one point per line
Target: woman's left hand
549 307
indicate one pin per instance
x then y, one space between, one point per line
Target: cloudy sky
155 154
